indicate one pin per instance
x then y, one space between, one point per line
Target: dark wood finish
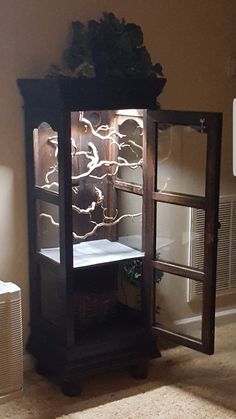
139 371
180 199
69 387
149 166
191 118
58 341
34 289
214 127
210 124
177 269
45 195
178 338
125 338
128 187
91 94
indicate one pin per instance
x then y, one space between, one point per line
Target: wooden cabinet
96 182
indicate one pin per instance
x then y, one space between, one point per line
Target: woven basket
94 303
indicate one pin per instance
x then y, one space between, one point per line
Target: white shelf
95 252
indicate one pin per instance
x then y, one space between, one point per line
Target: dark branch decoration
108 48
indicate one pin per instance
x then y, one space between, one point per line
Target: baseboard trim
221 317
11 396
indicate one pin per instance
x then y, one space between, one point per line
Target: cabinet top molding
86 94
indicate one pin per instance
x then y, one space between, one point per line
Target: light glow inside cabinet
106 223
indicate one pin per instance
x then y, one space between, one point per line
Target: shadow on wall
13 230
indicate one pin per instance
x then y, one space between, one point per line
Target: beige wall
191 38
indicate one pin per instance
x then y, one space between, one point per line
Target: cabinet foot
70 388
42 369
140 370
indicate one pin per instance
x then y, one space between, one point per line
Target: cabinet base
70 388
139 370
70 365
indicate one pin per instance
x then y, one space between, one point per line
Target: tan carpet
182 385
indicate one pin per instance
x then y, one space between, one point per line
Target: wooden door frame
211 124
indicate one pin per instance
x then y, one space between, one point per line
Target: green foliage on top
107 48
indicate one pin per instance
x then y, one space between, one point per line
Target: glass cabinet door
46 191
182 161
48 236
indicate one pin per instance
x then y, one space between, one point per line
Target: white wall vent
226 253
11 344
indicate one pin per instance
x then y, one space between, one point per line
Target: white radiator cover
11 341
226 251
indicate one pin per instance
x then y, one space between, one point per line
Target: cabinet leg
70 388
42 369
139 370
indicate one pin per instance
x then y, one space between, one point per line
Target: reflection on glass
45 157
99 149
181 160
131 128
48 230
173 312
104 234
90 212
106 144
130 227
180 234
103 142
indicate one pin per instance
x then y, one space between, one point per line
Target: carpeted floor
183 384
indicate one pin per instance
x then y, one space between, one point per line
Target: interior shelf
95 252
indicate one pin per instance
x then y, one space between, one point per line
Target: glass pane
180 234
45 157
100 215
181 160
90 212
129 229
130 123
48 230
101 236
106 144
96 220
173 310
